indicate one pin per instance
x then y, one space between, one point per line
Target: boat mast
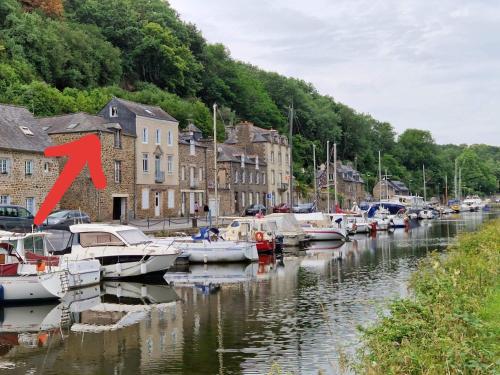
425 193
290 158
460 183
386 185
379 178
315 180
445 189
335 174
455 186
216 190
328 176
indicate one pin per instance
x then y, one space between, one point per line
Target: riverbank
451 324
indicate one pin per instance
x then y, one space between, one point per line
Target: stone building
156 155
271 148
388 188
242 179
26 175
350 186
115 202
196 169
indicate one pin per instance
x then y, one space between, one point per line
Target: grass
451 324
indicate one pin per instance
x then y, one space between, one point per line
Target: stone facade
271 149
389 188
17 187
196 170
242 180
115 202
156 156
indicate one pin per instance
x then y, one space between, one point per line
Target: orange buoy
259 236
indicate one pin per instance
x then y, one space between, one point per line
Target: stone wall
18 186
99 203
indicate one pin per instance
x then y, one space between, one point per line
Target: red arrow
86 150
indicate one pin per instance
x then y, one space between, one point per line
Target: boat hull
31 287
156 263
325 234
223 255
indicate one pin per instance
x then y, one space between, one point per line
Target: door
117 208
236 203
157 203
191 203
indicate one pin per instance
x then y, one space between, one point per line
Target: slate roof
145 110
398 186
76 123
13 138
228 153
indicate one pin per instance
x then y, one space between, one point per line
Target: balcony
283 186
159 177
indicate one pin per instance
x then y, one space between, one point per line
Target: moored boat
319 227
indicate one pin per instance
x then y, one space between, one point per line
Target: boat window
34 244
235 224
99 239
134 236
245 228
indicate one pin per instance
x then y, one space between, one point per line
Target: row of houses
153 168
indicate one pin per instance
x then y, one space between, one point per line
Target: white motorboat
288 226
353 222
206 248
28 272
319 227
425 214
122 250
472 204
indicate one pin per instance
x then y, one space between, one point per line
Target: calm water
297 313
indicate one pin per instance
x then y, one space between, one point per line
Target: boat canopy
318 217
393 208
285 222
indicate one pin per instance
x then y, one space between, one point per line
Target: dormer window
113 111
72 126
257 162
26 130
149 112
242 161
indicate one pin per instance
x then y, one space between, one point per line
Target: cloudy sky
424 64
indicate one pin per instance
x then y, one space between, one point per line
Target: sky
426 64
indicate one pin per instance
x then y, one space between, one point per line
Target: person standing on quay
196 208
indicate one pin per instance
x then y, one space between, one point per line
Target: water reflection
297 312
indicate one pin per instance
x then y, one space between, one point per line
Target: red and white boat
252 229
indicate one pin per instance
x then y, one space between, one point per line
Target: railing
159 177
283 186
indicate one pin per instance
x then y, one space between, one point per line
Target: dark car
65 218
282 208
303 208
15 218
254 209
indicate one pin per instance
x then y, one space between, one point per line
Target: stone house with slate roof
116 201
196 169
156 156
242 179
26 175
389 188
350 185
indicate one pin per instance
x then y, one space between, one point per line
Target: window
171 198
170 138
26 130
28 167
170 164
243 177
158 136
4 166
4 199
157 165
46 167
243 198
200 174
192 147
145 199
99 239
250 198
272 156
273 179
30 205
113 111
281 179
118 138
183 173
279 157
145 163
118 171
257 178
145 135
263 178
34 245
236 177
250 177
257 162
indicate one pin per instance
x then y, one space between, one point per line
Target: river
296 315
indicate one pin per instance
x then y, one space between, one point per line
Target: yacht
289 228
123 251
319 227
472 204
262 231
29 272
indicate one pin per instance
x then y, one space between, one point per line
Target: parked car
15 218
303 208
254 209
282 208
65 218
